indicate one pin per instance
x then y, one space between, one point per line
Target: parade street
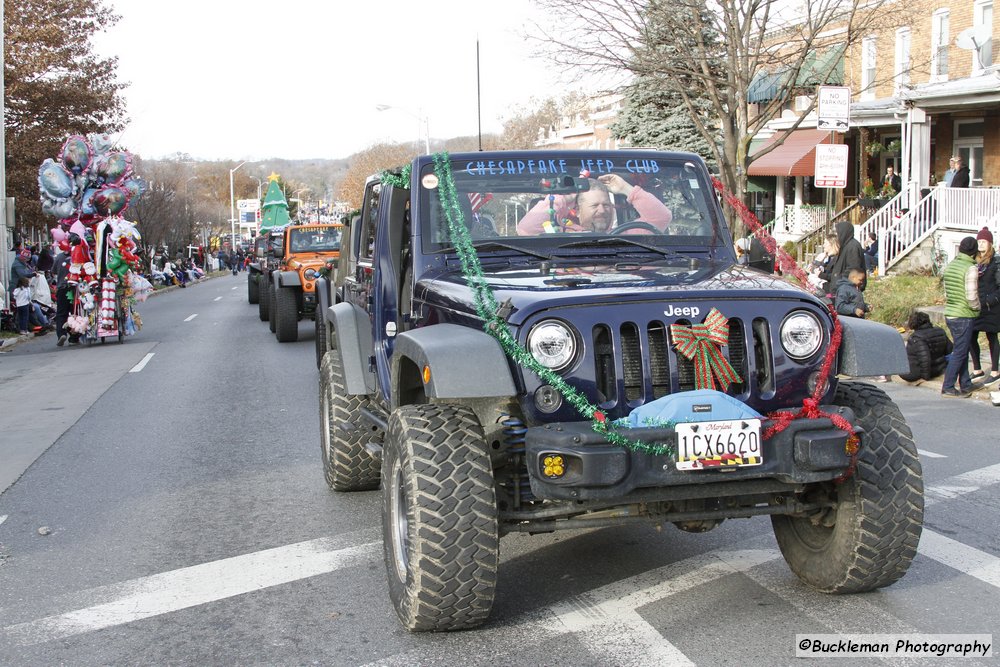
165 504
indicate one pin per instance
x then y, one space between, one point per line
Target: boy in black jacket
848 300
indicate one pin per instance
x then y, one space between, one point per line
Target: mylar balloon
75 154
63 208
87 202
110 200
114 167
135 187
101 142
54 181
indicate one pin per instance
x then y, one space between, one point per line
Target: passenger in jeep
593 210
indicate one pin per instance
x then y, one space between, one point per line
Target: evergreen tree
653 117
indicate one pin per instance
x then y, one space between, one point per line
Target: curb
982 394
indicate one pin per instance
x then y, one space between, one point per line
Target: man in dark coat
926 348
892 180
851 255
64 299
961 177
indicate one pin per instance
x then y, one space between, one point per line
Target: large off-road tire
253 288
263 288
347 465
439 518
286 319
272 308
870 538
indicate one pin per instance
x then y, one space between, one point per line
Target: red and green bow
702 343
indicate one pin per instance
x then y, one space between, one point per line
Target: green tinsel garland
400 180
487 308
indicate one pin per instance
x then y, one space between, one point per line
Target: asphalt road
189 524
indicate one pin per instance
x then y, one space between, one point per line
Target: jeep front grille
637 366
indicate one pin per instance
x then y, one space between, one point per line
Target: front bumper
808 450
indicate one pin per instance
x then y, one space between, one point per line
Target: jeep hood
310 259
529 288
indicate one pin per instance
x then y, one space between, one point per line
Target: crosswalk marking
967 560
839 613
607 619
962 484
192 586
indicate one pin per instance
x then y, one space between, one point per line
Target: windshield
314 239
534 199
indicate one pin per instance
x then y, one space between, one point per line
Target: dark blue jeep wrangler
599 263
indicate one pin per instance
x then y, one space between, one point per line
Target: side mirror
279 250
260 253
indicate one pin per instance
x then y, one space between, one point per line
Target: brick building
925 86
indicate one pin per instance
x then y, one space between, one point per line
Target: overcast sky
300 78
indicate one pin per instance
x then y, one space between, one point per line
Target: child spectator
848 300
926 348
22 301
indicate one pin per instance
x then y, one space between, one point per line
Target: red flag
478 200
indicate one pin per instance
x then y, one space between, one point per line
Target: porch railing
967 209
797 222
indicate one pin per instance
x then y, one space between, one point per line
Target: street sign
834 109
249 211
831 166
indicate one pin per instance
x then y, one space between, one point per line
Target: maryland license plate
721 444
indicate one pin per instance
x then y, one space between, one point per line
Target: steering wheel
635 224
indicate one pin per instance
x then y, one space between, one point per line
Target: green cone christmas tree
275 207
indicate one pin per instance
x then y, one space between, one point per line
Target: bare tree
370 161
701 51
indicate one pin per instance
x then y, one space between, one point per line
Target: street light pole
232 208
422 122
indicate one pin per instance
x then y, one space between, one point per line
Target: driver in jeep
593 210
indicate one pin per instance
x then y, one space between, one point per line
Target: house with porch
924 88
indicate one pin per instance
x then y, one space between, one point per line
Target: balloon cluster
88 188
89 181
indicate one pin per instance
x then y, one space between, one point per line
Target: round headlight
310 274
552 344
801 334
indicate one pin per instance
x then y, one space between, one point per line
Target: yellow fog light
553 466
427 374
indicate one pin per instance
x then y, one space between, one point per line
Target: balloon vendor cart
88 189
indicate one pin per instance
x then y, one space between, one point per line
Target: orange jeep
306 251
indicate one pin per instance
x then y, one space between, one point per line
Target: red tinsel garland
810 406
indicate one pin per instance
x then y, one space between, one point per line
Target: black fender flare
463 362
870 348
323 300
287 279
352 327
